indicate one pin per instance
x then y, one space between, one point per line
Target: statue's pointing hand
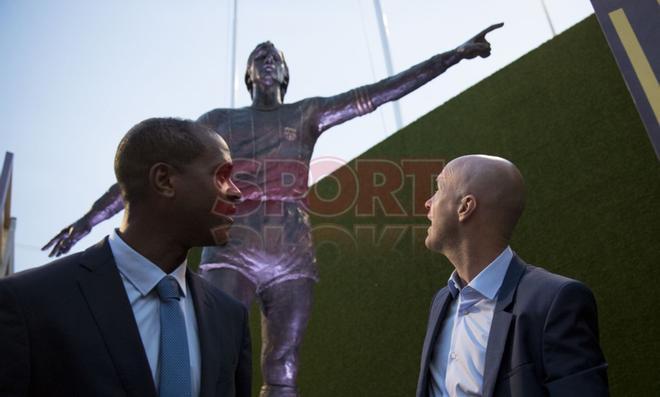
69 236
478 45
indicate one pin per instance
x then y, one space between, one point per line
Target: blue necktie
174 357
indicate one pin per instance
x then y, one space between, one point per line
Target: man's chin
431 244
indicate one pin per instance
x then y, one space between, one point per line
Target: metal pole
382 27
547 16
233 85
7 223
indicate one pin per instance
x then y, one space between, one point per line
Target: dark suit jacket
543 339
67 329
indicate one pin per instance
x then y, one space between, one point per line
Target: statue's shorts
269 244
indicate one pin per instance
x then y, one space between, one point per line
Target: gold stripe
638 59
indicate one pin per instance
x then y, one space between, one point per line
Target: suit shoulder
547 286
546 278
29 287
59 269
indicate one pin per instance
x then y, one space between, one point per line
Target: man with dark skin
126 317
270 254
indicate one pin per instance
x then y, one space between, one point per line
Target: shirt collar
488 281
140 271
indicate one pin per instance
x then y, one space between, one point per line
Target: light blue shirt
140 277
457 366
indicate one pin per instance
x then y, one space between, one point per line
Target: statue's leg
286 308
231 282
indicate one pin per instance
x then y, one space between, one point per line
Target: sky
76 75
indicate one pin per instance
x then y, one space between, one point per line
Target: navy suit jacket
67 329
543 339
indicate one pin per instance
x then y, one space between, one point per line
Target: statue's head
267 65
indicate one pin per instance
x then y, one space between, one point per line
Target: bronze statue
270 253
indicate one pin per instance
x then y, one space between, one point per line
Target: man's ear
161 179
467 207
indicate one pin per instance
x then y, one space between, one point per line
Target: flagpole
547 16
382 28
232 53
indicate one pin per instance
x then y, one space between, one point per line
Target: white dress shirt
457 365
140 277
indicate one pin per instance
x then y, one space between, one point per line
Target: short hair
248 77
168 140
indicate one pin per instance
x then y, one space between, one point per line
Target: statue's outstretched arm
357 102
105 207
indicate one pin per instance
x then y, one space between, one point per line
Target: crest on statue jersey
290 134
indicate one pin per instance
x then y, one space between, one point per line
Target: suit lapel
438 313
499 329
208 338
104 292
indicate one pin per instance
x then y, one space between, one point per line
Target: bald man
501 327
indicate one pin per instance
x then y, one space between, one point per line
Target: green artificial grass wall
563 115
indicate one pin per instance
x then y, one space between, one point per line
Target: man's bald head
496 186
479 200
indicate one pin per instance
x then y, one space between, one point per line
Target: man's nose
234 193
427 204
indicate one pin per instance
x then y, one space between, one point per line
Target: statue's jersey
271 241
271 149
